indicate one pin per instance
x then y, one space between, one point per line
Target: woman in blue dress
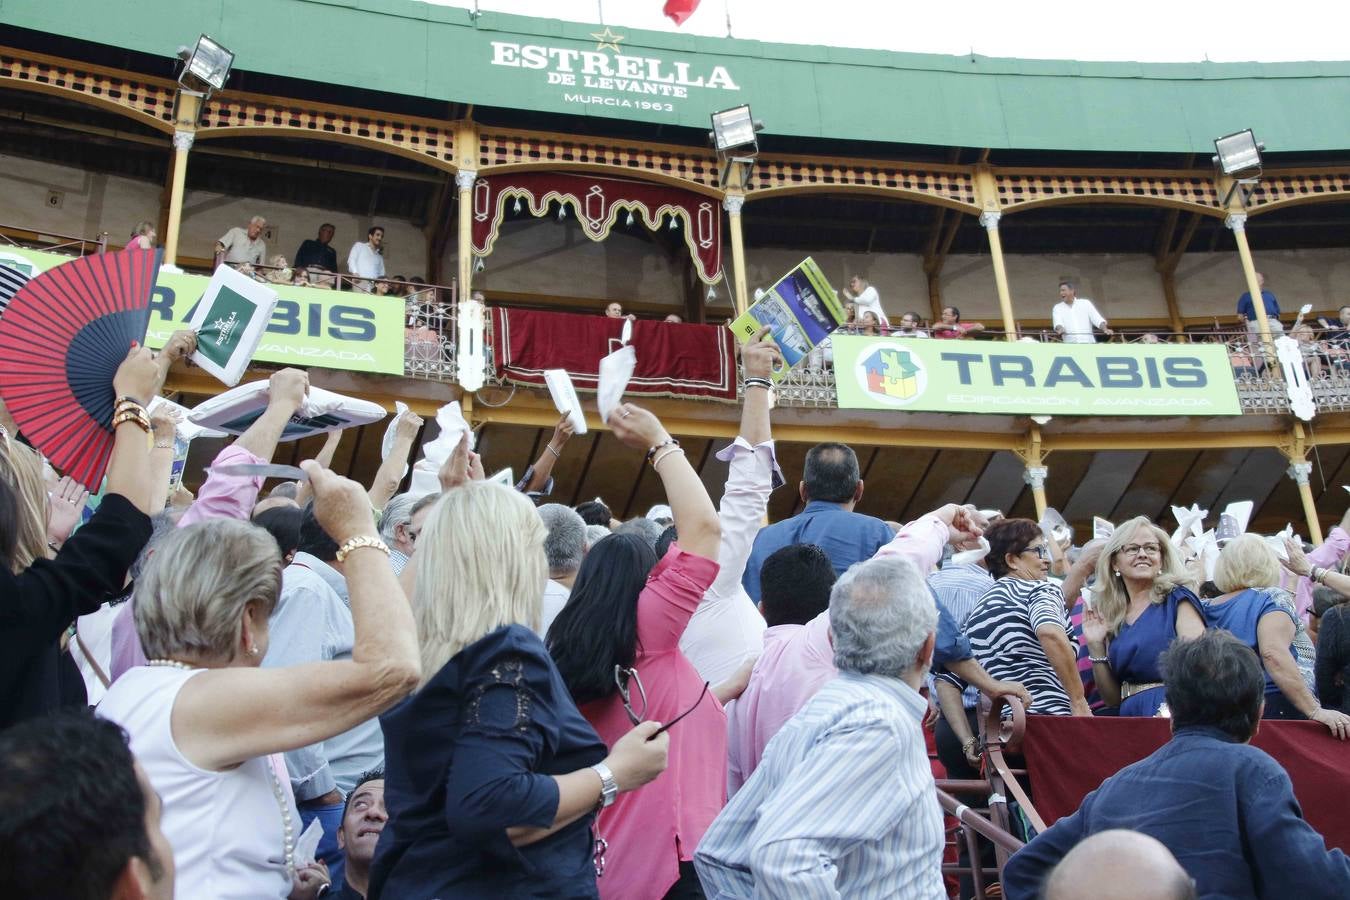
1142 601
1263 616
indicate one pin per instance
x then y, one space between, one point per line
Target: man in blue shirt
831 485
1246 310
1225 809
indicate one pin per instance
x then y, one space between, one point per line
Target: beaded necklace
287 820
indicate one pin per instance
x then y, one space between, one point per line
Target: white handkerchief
564 396
1102 529
450 421
615 371
307 844
966 557
391 431
1188 521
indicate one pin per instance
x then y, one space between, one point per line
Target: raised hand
340 504
636 427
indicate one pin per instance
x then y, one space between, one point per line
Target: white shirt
1077 320
225 827
95 633
555 598
240 249
841 807
364 261
727 628
869 300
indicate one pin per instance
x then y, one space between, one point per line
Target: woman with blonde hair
1263 616
209 724
492 776
1142 601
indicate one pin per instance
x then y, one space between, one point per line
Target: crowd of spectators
478 692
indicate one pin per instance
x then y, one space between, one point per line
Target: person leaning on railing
1262 614
1142 601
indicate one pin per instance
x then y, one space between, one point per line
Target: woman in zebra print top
1019 630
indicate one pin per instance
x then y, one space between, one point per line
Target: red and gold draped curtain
598 203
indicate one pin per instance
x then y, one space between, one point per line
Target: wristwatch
609 788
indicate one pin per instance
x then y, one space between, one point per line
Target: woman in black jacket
40 601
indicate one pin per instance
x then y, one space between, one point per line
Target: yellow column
185 131
986 194
1036 471
464 180
989 219
732 203
1237 223
1301 470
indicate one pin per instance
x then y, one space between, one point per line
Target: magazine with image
801 308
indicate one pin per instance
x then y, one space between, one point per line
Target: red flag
679 10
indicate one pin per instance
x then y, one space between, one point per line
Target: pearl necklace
287 821
288 826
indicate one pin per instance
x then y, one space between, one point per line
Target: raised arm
138 378
750 474
226 716
390 472
285 392
695 516
541 473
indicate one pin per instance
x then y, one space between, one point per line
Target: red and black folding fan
62 337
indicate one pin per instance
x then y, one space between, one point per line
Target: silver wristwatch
609 788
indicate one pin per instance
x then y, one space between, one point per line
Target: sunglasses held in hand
626 680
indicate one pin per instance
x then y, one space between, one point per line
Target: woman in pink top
617 645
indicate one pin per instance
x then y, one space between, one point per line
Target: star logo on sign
608 39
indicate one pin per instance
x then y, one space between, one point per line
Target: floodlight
734 130
1238 154
207 67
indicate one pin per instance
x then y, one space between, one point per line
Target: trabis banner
310 327
1022 378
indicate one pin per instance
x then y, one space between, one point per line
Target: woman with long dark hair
616 644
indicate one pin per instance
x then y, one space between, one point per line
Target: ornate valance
598 203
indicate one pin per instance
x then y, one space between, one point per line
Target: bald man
1119 865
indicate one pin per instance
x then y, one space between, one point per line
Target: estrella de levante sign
929 375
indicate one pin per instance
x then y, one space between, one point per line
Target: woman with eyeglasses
617 645
1019 630
1142 601
492 776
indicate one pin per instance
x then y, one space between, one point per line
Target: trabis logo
891 374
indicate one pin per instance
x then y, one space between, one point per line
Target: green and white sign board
308 327
929 375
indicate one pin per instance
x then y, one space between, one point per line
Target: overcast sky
1144 30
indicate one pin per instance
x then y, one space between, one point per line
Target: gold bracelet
356 543
139 421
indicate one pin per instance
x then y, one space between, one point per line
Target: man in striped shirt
842 804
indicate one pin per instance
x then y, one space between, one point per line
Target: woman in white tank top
209 726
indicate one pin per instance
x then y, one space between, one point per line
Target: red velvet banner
1068 758
599 203
673 360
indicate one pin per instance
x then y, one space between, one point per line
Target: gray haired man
396 529
564 547
842 805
